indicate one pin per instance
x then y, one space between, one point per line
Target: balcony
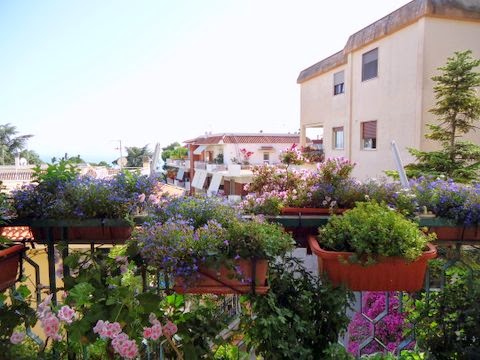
179 163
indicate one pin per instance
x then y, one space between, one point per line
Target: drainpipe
192 168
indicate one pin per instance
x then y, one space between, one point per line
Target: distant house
224 160
379 88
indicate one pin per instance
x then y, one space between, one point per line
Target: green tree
173 151
11 145
136 155
458 110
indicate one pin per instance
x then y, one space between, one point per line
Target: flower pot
456 233
84 231
311 211
224 280
388 274
9 262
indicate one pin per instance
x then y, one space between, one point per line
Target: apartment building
378 89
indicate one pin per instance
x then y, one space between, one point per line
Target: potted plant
373 248
455 206
208 248
91 209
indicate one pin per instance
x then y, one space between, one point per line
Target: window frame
365 75
266 157
369 143
339 83
336 130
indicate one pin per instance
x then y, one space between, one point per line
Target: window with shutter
370 64
369 134
338 83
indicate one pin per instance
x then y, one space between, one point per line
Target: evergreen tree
136 155
458 110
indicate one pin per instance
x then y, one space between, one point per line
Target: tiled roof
245 139
404 16
16 233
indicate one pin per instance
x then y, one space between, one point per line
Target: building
223 161
378 89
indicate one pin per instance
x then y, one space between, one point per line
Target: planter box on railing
10 259
449 230
225 281
105 231
388 274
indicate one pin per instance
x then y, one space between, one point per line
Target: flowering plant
61 193
390 330
448 199
108 312
190 232
292 156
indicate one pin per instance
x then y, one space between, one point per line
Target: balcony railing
178 163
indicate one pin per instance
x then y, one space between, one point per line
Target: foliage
372 229
190 232
60 193
230 352
298 318
446 321
458 109
11 145
31 156
389 330
218 159
137 155
15 311
448 199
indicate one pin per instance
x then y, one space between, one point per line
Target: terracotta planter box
310 211
456 233
223 281
9 263
85 234
388 274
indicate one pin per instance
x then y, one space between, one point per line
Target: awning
199 149
215 183
199 179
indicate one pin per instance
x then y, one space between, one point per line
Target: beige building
378 89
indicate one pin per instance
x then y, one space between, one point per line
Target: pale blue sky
80 75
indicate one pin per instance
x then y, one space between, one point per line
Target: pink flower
125 347
51 326
66 313
141 198
43 309
147 332
169 329
17 337
99 327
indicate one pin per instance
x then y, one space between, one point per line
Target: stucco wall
442 38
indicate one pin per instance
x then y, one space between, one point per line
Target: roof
404 16
16 233
239 138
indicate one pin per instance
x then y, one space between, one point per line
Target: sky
81 76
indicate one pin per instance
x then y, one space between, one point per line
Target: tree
458 109
173 151
11 145
137 155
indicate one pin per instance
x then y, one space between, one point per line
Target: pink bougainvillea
389 330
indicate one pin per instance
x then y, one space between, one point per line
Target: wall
442 38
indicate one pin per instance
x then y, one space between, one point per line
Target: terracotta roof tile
16 233
233 138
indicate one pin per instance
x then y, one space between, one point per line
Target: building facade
378 89
224 161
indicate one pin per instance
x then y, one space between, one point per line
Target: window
338 137
266 158
370 64
369 134
338 83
